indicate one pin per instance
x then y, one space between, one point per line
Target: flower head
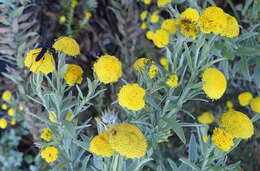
74 3
215 83
232 28
67 45
164 63
3 123
13 121
21 108
47 134
188 23
162 3
161 38
128 140
73 74
100 146
45 65
169 25
50 154
108 69
141 63
213 20
206 118
144 25
131 96
155 17
143 15
88 15
147 2
149 35
229 104
4 106
62 19
7 95
172 81
245 98
237 124
222 139
255 104
11 112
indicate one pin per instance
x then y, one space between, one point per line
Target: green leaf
176 128
17 12
193 153
248 51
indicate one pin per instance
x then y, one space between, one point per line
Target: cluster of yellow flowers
246 98
124 139
190 23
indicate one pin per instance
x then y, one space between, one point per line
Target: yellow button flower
237 124
50 154
74 3
169 25
222 139
172 81
144 25
4 106
162 3
255 104
155 17
149 35
45 65
3 123
161 38
164 63
73 74
108 69
188 23
232 28
213 20
88 15
143 15
13 121
7 95
128 140
140 66
20 107
131 96
11 112
67 45
245 98
206 118
47 134
215 83
100 146
229 104
53 117
147 2
62 19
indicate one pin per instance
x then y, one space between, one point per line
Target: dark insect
44 50
113 132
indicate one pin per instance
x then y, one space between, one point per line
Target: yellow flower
62 19
68 116
53 117
164 63
67 45
50 154
73 74
140 64
88 15
213 20
11 112
188 23
143 15
128 140
13 121
47 134
204 138
131 96
7 95
154 17
169 25
161 38
222 139
245 98
3 123
232 28
147 2
144 25
229 104
255 104
74 3
4 106
20 108
162 3
45 65
206 118
108 69
149 35
237 124
100 146
215 83
172 81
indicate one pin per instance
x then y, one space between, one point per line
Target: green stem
206 159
